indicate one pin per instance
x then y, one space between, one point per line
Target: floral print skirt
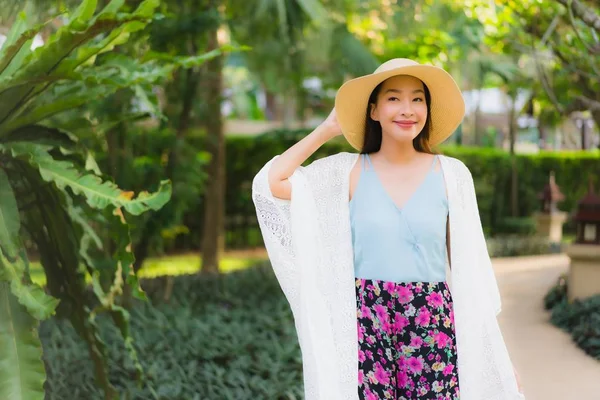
406 341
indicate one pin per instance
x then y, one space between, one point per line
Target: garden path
550 365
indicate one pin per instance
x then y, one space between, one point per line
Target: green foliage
557 293
30 295
53 197
556 39
580 318
98 193
23 374
146 162
10 223
218 337
522 226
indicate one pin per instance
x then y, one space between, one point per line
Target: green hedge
229 337
516 245
580 318
491 169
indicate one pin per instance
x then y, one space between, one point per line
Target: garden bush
218 337
580 318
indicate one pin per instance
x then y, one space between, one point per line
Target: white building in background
493 101
494 111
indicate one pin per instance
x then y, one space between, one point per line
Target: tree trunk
514 179
481 73
214 197
476 120
270 106
543 136
596 118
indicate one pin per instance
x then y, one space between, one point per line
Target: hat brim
447 104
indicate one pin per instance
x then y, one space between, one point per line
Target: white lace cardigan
309 242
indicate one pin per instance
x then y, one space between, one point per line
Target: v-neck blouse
395 244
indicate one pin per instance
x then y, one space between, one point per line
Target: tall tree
561 36
213 241
294 40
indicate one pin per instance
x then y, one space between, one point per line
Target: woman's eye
393 99
418 99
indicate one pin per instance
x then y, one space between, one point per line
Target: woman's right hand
285 165
330 127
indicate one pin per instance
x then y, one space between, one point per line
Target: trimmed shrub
220 337
580 318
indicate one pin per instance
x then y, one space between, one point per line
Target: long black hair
373 133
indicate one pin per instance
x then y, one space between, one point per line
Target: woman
360 245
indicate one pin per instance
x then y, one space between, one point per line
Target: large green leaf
51 108
124 254
117 36
124 272
17 45
98 194
61 47
314 9
112 7
40 135
30 295
83 14
58 246
10 222
118 72
22 372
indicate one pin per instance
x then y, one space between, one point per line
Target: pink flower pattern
406 355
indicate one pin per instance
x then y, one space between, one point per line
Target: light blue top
399 245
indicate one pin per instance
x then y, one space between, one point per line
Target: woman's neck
397 153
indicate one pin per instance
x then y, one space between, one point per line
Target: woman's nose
406 108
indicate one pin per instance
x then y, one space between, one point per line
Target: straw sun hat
447 104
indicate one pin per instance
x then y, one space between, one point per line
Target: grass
174 265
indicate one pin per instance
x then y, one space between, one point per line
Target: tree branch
583 12
590 104
546 85
593 50
569 65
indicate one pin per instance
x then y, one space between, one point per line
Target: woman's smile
405 124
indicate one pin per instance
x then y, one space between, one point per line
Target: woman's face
401 108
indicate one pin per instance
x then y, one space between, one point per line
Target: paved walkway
550 365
